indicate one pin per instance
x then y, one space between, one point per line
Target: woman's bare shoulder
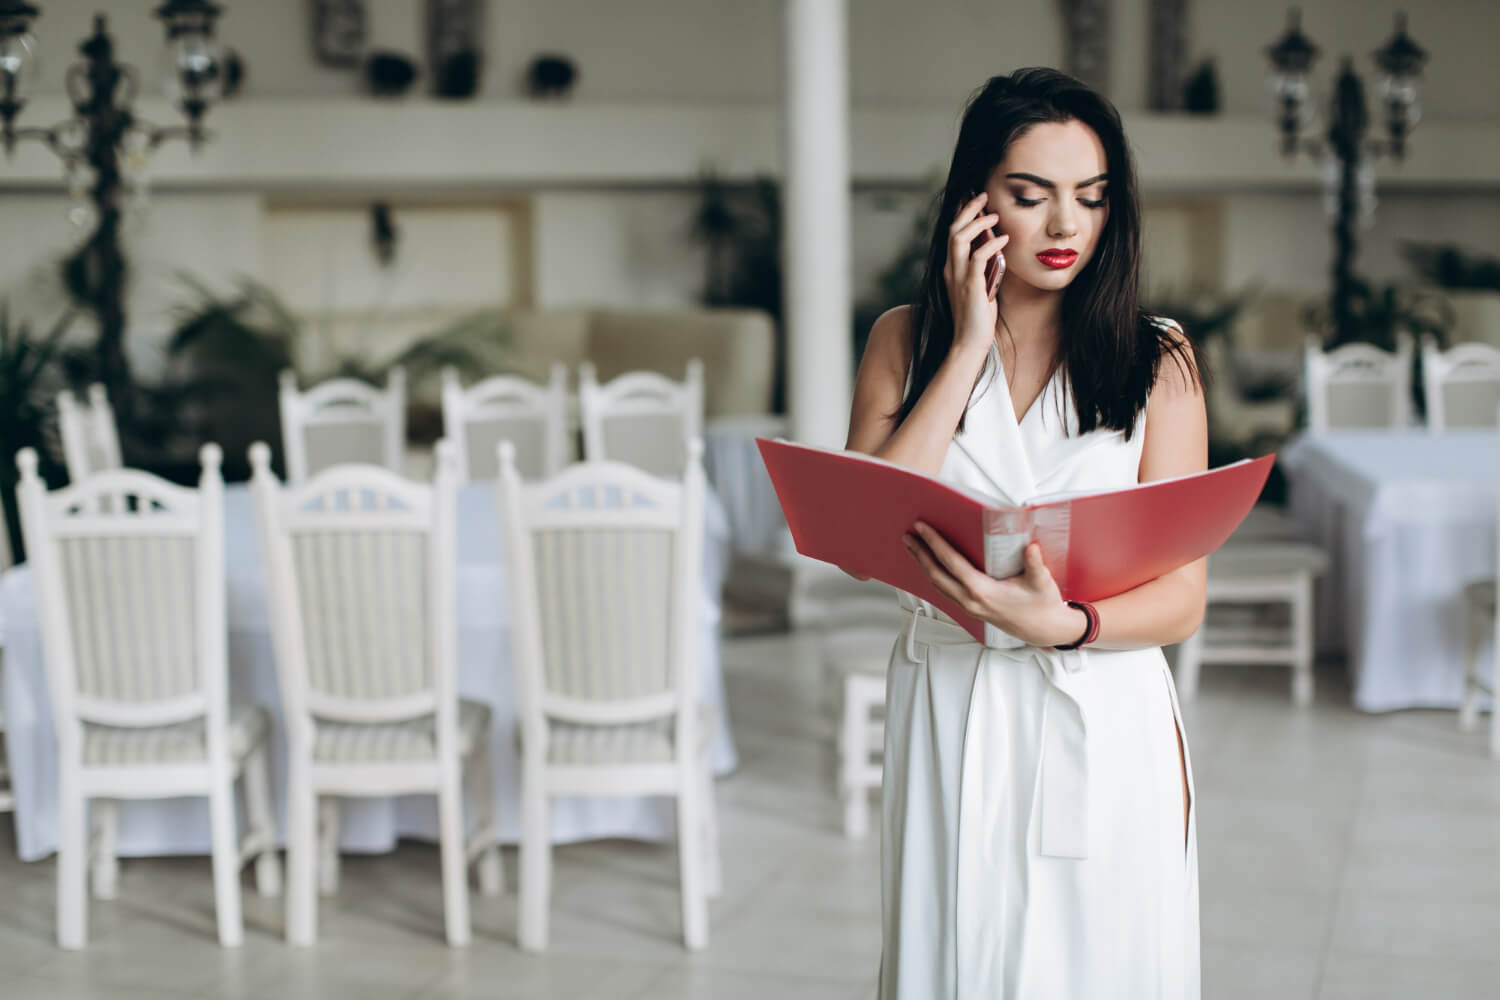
1177 373
890 341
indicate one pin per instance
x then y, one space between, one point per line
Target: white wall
616 249
901 52
628 246
214 236
1282 241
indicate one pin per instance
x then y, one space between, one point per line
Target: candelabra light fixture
1345 146
105 146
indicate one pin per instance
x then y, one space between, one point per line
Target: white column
818 304
818 309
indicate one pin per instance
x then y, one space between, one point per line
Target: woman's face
1050 192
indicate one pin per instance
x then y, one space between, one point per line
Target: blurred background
349 187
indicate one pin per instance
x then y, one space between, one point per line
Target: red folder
852 510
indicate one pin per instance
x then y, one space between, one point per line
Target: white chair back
1461 385
604 562
507 408
641 418
342 421
360 566
90 439
129 573
1358 386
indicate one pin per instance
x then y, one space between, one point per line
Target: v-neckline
1010 400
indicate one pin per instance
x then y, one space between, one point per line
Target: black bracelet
1090 628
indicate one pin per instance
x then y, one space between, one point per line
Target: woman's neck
1030 317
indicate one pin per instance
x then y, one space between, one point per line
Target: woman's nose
1062 224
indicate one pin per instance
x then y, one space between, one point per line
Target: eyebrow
1044 182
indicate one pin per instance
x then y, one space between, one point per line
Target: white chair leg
226 861
1189 661
690 858
1302 643
481 777
1474 630
536 862
72 861
713 873
105 866
301 865
854 753
261 813
852 756
455 857
328 845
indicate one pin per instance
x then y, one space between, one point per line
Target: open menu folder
852 510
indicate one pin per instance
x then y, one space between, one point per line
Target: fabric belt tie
1063 787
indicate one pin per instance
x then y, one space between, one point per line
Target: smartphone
991 266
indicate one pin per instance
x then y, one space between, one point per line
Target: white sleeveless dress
1032 809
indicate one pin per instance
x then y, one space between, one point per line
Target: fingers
992 248
1036 575
965 236
967 211
1034 561
991 261
940 577
953 561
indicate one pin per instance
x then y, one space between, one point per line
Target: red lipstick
1058 258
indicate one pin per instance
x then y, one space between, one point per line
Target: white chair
604 563
360 570
1481 617
641 418
507 408
1358 386
860 620
130 583
855 660
1461 385
90 439
1265 563
342 421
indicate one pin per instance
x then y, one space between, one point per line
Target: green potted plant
740 228
1379 314
1471 283
228 350
31 375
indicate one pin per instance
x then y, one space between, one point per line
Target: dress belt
1063 789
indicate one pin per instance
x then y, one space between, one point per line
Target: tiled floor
1343 856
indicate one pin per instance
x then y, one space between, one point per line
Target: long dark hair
1110 349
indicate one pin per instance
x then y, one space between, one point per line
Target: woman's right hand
975 309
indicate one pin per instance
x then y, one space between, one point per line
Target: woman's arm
1169 608
921 440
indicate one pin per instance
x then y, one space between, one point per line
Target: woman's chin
1045 279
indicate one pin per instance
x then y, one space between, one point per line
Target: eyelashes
1029 202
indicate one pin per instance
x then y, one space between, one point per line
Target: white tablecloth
1408 518
180 826
733 465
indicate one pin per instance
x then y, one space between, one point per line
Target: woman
1039 839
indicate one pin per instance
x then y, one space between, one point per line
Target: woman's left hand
1028 606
